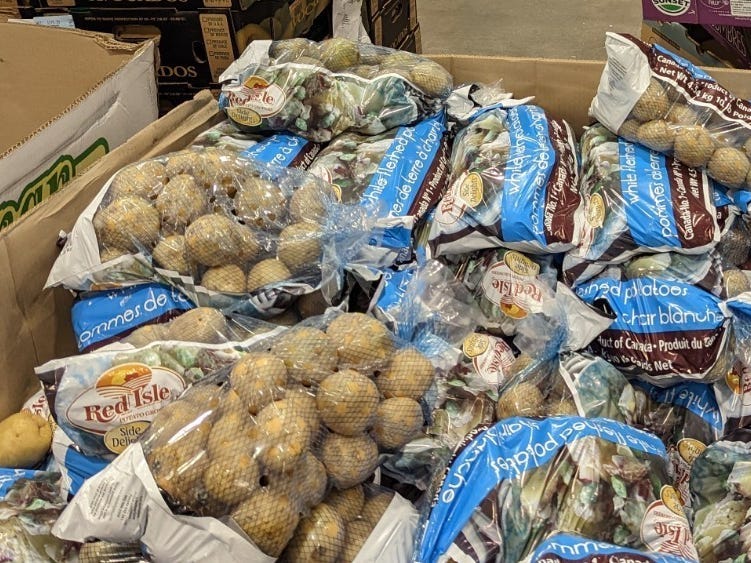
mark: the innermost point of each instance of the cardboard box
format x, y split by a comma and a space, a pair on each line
195, 47
681, 11
36, 324
734, 41
182, 5
725, 12
682, 40
69, 97
393, 24
413, 41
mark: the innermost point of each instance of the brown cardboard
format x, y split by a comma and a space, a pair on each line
35, 325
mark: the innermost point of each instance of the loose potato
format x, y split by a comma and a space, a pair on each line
397, 421
347, 402
259, 379
308, 353
409, 375
363, 343
349, 460
25, 439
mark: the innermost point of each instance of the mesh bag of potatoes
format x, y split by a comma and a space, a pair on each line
106, 399
279, 149
303, 413
638, 201
230, 232
651, 96
515, 483
320, 90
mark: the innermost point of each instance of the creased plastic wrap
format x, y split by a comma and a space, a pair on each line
638, 201
517, 482
565, 547
721, 493
514, 183
664, 102
320, 90
229, 232
261, 443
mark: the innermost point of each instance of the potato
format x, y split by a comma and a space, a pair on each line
212, 240
130, 223
283, 436
267, 272
225, 279
230, 433
269, 519
259, 379
25, 439
308, 353
362, 342
347, 402
145, 335
202, 324
409, 374
143, 180
261, 204
397, 421
376, 506
347, 502
319, 538
349, 460
311, 304
357, 534
170, 254
299, 246
232, 477
181, 202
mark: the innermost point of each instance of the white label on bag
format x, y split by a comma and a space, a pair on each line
123, 504
393, 537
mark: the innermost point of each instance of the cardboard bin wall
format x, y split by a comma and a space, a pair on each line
35, 325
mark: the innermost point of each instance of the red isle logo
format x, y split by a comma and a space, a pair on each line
124, 394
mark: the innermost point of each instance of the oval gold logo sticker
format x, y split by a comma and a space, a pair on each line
733, 379
596, 211
520, 264
121, 437
475, 344
471, 190
671, 499
244, 116
689, 449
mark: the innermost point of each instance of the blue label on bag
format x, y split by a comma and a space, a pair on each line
699, 398
401, 175
281, 149
647, 198
568, 548
742, 199
505, 451
688, 66
8, 478
651, 305
530, 161
104, 316
78, 468
721, 198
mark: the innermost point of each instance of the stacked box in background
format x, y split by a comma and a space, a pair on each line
198, 39
712, 32
392, 23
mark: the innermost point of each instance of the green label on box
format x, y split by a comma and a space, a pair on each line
50, 181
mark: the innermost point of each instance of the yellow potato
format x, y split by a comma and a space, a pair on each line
25, 439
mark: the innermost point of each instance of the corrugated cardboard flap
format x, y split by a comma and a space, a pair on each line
35, 325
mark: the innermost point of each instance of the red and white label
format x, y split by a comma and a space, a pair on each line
125, 394
514, 289
665, 529
491, 357
260, 96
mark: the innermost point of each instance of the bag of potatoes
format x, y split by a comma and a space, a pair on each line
230, 232
654, 97
265, 440
320, 90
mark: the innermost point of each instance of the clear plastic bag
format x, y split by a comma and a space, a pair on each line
721, 493
514, 183
280, 149
400, 174
686, 417
320, 90
638, 201
517, 482
264, 439
651, 96
229, 232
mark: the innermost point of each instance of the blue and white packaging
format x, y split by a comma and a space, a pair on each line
522, 479
102, 317
664, 332
514, 184
567, 548
398, 176
687, 418
74, 466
